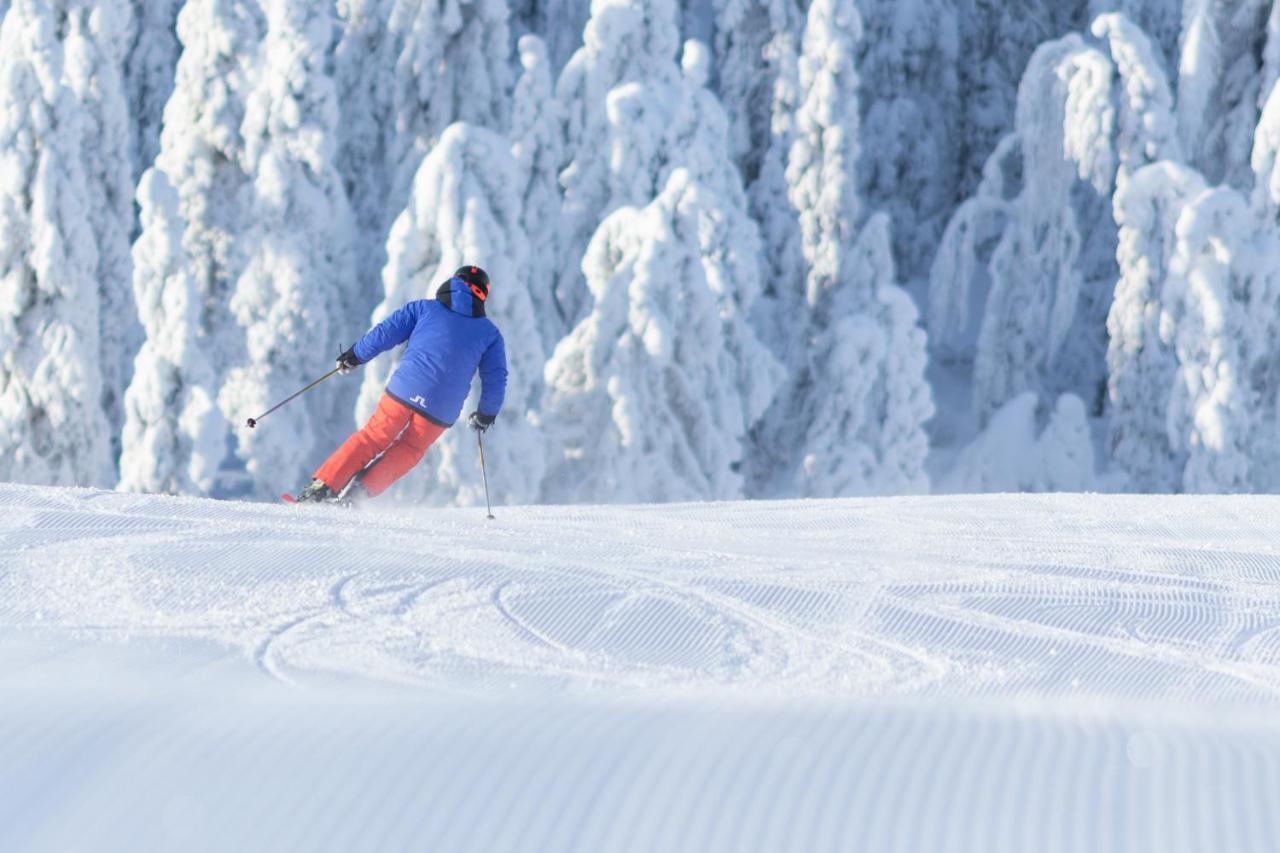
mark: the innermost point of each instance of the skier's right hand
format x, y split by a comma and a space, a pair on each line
479, 422
348, 362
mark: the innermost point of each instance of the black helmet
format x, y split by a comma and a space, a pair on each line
477, 278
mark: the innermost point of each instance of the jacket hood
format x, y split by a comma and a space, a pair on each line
457, 295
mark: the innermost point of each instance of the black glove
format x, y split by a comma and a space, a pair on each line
479, 422
348, 361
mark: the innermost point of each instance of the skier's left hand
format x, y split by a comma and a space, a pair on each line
348, 361
479, 422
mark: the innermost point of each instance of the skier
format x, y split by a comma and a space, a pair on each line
449, 340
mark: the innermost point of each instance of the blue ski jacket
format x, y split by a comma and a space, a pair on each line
449, 340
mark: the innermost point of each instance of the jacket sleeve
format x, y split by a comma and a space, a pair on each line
390, 332
493, 377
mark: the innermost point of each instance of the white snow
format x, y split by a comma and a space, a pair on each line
1071, 672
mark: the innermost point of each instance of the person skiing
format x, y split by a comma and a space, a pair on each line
450, 339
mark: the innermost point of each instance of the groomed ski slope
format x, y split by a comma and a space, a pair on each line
951, 673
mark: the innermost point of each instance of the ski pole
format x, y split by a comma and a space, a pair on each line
484, 476
253, 422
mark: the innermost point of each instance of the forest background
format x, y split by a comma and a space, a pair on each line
740, 248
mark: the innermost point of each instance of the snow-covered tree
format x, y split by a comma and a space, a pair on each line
1160, 22
202, 155
862, 401
464, 209
95, 46
453, 65
174, 435
291, 296
1266, 140
558, 22
625, 41
53, 428
1270, 57
676, 123
406, 69
960, 278
748, 37
1141, 359
1223, 297
1043, 327
821, 168
1146, 130
150, 67
851, 419
1219, 75
637, 392
1027, 448
911, 107
362, 67
537, 142
779, 317
997, 39
1032, 253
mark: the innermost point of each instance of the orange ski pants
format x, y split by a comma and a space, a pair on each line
395, 435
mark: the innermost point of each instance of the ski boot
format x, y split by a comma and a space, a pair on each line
316, 492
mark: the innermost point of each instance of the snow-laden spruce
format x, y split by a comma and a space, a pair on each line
625, 41
149, 69
95, 47
912, 113
362, 57
406, 69
1027, 449
863, 408
1145, 126
637, 393
671, 124
960, 277
537, 143
1141, 361
1161, 23
676, 123
750, 34
464, 209
558, 22
1266, 139
289, 299
1053, 268
202, 153
1086, 121
452, 65
851, 418
1219, 74
202, 158
1223, 293
174, 436
53, 426
779, 320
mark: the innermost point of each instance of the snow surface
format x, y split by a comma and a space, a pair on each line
1068, 672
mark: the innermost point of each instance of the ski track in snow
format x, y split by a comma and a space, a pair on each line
971, 673
945, 595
